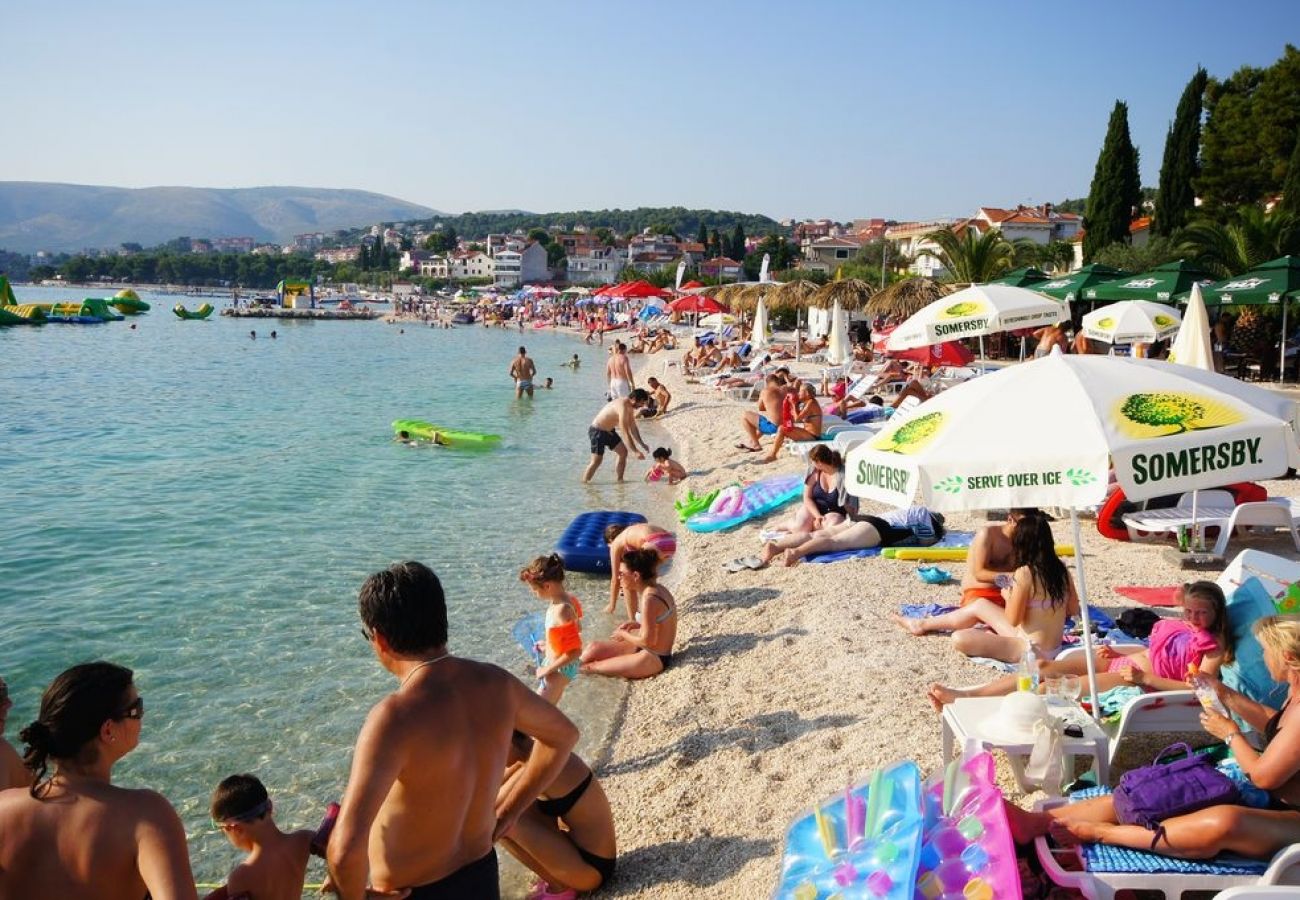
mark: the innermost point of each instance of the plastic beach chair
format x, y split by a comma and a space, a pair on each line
1267, 514
1186, 875
1212, 510
1256, 892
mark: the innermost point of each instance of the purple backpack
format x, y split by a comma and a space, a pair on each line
1160, 791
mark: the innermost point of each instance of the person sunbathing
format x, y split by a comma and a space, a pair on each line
826, 502
1039, 598
913, 388
814, 345
1201, 638
730, 358
914, 526
1225, 828
801, 419
643, 647
763, 419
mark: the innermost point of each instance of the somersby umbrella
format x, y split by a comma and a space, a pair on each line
1131, 322
1274, 282
1167, 428
974, 312
1071, 287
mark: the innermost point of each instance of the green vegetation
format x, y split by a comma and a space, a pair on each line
1162, 410
971, 256
1116, 192
1175, 201
673, 219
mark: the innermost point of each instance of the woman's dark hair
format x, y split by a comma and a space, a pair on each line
406, 605
73, 708
238, 798
644, 562
543, 568
823, 454
1032, 545
662, 453
1212, 594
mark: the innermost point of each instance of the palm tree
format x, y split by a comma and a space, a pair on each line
972, 257
1253, 237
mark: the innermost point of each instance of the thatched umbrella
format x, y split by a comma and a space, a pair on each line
850, 293
911, 295
728, 294
792, 295
746, 299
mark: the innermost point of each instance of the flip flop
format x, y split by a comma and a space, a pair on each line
748, 449
752, 562
734, 566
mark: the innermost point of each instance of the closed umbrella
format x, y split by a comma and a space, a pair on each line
839, 350
1167, 429
758, 339
1132, 322
1193, 347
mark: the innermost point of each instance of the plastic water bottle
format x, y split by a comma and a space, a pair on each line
1028, 678
1205, 690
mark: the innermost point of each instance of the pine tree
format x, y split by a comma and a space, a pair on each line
1181, 166
1116, 189
1291, 185
702, 236
737, 242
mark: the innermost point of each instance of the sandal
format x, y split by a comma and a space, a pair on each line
736, 565
752, 562
747, 448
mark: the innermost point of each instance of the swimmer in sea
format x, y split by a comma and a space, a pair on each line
523, 370
253, 335
550, 383
272, 334
573, 363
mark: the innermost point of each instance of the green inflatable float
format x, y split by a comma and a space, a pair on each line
201, 313
424, 431
128, 302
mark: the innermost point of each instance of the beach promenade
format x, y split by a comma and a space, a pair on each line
789, 683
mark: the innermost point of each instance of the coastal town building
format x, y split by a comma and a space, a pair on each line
512, 268
339, 254
825, 254
233, 245
722, 268
911, 239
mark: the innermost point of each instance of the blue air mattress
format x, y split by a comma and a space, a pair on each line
583, 547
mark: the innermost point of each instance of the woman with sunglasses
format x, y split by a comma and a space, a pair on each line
643, 647
73, 833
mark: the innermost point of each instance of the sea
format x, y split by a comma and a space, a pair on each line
202, 506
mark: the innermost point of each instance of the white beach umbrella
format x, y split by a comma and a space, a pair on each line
1166, 427
717, 320
839, 350
1131, 322
758, 340
1192, 347
974, 312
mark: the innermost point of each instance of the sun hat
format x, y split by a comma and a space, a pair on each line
1016, 719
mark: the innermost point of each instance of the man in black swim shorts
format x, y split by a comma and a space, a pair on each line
618, 414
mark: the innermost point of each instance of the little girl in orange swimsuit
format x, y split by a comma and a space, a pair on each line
545, 575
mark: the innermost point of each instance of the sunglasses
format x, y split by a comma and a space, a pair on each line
367, 634
134, 711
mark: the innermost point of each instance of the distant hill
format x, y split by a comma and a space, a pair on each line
69, 217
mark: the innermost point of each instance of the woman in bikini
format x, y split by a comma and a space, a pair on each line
74, 833
641, 536
801, 419
1039, 599
643, 647
1201, 638
825, 500
1245, 830
567, 837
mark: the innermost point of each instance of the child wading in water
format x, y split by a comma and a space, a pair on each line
665, 467
276, 866
545, 575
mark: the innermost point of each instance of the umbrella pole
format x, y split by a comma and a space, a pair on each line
798, 344
983, 367
1281, 352
1195, 497
1082, 584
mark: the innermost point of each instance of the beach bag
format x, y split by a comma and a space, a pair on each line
1151, 794
1137, 622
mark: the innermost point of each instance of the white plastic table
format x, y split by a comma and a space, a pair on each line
964, 720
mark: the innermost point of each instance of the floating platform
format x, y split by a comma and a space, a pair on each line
300, 313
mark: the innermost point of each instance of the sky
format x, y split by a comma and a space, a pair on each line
835, 109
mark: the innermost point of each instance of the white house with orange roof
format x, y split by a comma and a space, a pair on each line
911, 239
827, 253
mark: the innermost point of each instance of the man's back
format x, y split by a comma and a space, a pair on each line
610, 415
447, 733
990, 550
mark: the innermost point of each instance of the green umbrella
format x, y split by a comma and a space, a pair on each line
1025, 276
1071, 287
1170, 283
1276, 281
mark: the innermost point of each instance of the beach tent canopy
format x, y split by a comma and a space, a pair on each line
1071, 287
974, 312
949, 353
691, 285
1025, 276
1170, 283
1268, 283
635, 289
1131, 322
794, 295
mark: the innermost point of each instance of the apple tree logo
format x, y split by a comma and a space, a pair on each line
961, 310
1165, 413
911, 436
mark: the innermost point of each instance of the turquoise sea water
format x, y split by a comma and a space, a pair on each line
202, 507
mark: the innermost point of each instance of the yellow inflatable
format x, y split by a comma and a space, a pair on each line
948, 554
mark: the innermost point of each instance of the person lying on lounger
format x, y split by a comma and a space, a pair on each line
1225, 828
914, 526
1039, 599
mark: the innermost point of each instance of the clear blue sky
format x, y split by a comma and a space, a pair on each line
840, 109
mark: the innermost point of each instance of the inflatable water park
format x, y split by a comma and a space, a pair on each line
90, 311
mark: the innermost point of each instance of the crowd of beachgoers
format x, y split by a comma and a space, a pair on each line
761, 681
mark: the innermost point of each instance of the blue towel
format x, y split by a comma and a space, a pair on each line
1105, 858
951, 539
921, 610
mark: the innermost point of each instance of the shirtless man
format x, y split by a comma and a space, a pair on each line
421, 809
763, 419
619, 372
522, 370
12, 771
1049, 336
989, 557
617, 414
659, 395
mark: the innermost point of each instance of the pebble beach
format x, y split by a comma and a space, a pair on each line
789, 683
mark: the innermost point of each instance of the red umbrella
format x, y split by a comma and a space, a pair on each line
636, 289
695, 303
691, 284
949, 353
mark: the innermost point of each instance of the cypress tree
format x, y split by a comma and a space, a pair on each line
1176, 198
702, 236
1291, 185
1116, 189
737, 242
715, 244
